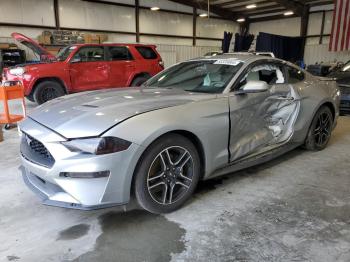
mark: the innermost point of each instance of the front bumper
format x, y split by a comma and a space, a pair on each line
53, 195
77, 193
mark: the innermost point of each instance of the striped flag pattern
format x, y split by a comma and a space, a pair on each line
340, 36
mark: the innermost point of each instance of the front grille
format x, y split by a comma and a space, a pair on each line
34, 151
345, 90
39, 148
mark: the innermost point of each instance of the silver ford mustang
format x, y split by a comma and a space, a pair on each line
196, 120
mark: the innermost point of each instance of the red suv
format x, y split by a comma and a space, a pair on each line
83, 67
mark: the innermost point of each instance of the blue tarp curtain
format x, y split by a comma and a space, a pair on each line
284, 47
226, 42
243, 42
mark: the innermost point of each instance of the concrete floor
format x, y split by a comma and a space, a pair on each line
295, 208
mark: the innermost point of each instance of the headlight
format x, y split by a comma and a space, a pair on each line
18, 71
98, 145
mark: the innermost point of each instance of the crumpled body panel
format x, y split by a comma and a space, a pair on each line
267, 119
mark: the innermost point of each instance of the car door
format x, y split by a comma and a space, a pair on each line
121, 64
88, 69
260, 120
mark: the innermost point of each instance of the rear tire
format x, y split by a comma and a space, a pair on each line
167, 174
320, 130
46, 91
138, 81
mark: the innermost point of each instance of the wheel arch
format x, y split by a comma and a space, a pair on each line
326, 103
330, 106
197, 143
43, 79
187, 134
140, 74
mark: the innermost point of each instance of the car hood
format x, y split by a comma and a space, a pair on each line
34, 46
92, 113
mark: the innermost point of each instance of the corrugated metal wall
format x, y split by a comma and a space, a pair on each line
173, 54
319, 53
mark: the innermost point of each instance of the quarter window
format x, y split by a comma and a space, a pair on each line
90, 54
269, 73
295, 75
146, 52
117, 53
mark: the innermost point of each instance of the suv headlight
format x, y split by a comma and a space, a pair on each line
17, 71
98, 145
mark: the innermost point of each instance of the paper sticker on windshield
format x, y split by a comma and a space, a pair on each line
228, 61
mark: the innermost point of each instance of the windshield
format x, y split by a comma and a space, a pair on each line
204, 76
65, 52
346, 67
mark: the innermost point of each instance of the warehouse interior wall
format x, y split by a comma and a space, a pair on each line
95, 16
75, 14
285, 27
316, 49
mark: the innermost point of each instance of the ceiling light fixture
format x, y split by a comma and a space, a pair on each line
289, 13
251, 6
203, 15
241, 20
155, 8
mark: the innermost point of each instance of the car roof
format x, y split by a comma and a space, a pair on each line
244, 57
115, 44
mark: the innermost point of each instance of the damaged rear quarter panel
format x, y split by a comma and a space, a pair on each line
314, 93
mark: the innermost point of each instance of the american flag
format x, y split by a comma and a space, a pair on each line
340, 36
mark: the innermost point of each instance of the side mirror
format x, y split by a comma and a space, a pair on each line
75, 60
253, 87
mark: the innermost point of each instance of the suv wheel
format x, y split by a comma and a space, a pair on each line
46, 91
167, 174
138, 81
30, 98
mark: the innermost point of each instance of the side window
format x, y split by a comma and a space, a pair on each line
146, 52
269, 73
90, 54
295, 75
117, 53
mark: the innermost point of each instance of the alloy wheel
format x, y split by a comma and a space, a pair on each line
322, 130
49, 93
170, 175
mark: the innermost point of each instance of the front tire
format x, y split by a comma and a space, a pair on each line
46, 91
30, 98
167, 174
320, 130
